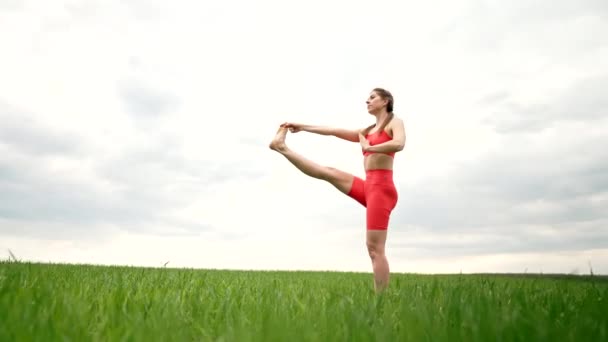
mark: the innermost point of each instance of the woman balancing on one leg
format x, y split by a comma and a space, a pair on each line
377, 192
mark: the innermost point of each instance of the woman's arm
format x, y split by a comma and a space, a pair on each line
394, 145
346, 134
349, 135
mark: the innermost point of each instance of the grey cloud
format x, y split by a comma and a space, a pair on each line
84, 9
33, 193
584, 100
506, 195
144, 10
135, 190
494, 98
549, 173
145, 102
487, 25
569, 237
538, 11
253, 141
20, 131
545, 187
146, 184
36, 193
11, 5
160, 165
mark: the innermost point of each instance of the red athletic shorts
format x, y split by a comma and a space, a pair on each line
378, 194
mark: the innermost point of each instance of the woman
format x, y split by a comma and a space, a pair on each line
377, 192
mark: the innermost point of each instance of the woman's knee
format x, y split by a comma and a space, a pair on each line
327, 173
330, 174
375, 249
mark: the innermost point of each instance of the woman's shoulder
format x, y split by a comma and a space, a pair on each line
395, 121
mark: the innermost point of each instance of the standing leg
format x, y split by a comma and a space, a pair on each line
382, 196
376, 240
341, 180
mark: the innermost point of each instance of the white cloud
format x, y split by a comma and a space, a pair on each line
141, 122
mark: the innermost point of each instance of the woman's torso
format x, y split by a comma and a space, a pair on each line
379, 160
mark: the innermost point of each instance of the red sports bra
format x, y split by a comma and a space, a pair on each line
378, 138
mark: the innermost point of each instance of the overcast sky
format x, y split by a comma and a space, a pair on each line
136, 132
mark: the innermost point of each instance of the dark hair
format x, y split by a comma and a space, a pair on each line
386, 95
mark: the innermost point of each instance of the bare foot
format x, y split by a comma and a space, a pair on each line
278, 143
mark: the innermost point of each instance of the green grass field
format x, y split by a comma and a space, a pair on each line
46, 302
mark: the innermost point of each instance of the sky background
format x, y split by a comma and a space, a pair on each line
136, 132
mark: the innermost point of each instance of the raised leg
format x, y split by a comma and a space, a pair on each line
376, 240
340, 179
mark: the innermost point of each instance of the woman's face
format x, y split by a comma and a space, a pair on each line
375, 102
